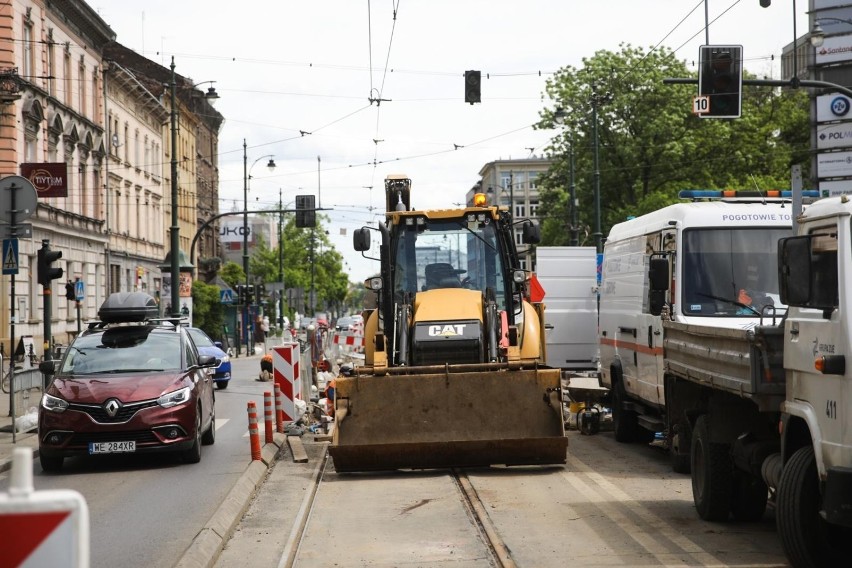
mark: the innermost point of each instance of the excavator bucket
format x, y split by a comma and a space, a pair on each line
448, 419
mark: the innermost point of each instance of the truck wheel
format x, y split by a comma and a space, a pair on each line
679, 446
712, 474
624, 422
808, 540
750, 494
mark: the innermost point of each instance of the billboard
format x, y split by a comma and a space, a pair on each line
835, 49
232, 230
835, 187
49, 179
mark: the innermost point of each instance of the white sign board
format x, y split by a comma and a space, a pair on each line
835, 49
833, 107
834, 164
231, 231
837, 135
835, 187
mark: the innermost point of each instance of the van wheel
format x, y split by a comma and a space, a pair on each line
624, 421
712, 474
679, 446
808, 540
749, 496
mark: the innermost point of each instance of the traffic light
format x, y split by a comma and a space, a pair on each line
306, 215
261, 293
720, 77
70, 292
250, 294
472, 87
241, 294
46, 258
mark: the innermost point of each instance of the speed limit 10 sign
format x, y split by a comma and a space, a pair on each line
700, 104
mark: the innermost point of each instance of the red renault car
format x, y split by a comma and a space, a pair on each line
130, 383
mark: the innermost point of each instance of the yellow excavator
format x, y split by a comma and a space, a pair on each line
454, 372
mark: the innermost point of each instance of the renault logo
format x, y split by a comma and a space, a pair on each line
112, 407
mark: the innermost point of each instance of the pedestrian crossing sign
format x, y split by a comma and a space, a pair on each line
226, 296
10, 256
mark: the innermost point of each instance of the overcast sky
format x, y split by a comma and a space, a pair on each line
295, 79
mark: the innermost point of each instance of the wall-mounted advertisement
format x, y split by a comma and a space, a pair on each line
837, 135
833, 107
232, 230
835, 49
834, 164
835, 187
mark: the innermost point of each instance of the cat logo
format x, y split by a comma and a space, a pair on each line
446, 330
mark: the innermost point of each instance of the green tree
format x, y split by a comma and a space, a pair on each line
650, 145
233, 274
207, 311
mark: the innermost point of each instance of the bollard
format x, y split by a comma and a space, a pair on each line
279, 409
267, 415
253, 434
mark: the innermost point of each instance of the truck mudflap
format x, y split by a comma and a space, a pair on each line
428, 418
837, 498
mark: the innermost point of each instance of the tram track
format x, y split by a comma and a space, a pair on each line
469, 499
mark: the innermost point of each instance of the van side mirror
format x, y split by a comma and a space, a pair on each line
531, 233
658, 273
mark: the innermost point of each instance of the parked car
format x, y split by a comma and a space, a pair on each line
344, 323
207, 346
130, 383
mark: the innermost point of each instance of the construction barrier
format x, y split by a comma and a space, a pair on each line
267, 416
279, 411
285, 369
254, 436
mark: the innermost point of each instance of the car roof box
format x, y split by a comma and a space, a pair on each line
128, 307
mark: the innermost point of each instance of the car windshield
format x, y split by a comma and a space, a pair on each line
731, 272
123, 349
200, 338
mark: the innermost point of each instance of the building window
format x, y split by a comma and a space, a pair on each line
67, 73
147, 164
114, 278
136, 150
28, 70
51, 67
534, 209
82, 92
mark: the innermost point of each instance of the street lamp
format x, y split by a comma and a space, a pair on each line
246, 177
174, 230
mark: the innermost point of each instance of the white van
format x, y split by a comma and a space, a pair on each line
722, 264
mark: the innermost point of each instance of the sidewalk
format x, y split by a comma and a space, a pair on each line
24, 401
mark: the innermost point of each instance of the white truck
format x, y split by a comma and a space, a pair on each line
761, 409
716, 253
569, 278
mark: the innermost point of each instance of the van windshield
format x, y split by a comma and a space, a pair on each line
731, 272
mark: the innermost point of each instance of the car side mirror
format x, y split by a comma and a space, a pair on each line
47, 367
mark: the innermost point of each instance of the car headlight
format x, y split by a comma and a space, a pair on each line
224, 358
174, 398
53, 403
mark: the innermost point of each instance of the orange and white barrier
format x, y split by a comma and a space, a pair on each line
285, 369
267, 416
254, 436
279, 410
342, 339
41, 528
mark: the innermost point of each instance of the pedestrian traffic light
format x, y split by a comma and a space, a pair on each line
70, 292
46, 258
720, 77
306, 215
472, 87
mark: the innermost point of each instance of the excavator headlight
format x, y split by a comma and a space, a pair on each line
519, 276
374, 283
